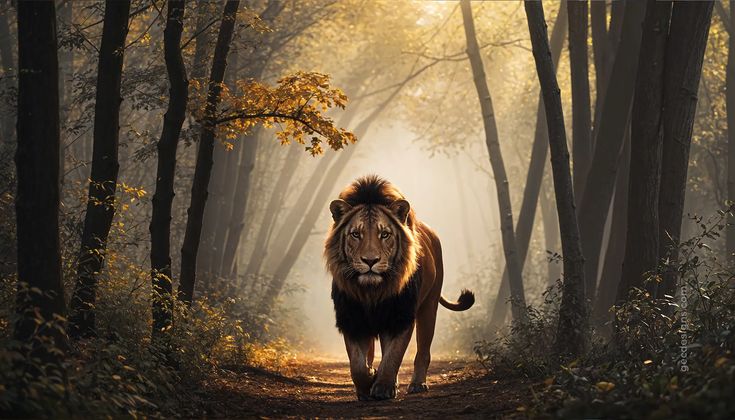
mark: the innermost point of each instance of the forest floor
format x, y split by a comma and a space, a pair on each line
316, 387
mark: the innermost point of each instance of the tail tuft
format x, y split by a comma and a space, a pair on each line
465, 301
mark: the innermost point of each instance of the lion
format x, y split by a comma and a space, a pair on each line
387, 275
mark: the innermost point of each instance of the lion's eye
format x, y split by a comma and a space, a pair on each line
385, 235
355, 235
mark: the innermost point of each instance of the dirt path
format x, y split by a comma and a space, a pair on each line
322, 388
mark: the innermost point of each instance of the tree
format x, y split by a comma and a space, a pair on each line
40, 299
595, 202
641, 244
203, 167
512, 259
534, 177
730, 99
581, 111
105, 167
571, 332
685, 47
598, 29
160, 226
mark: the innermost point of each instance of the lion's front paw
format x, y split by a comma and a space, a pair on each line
414, 387
381, 391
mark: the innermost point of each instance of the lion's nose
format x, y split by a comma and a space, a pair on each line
370, 261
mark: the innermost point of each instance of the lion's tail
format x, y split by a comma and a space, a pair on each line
465, 301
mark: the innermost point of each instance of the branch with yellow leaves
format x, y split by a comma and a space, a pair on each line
296, 105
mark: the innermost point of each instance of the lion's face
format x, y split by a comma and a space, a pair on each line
371, 239
370, 244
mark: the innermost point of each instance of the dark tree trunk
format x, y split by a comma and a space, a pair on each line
243, 187
203, 169
512, 258
222, 227
534, 177
598, 28
685, 47
571, 332
730, 99
581, 112
613, 265
595, 202
7, 113
552, 242
105, 167
641, 249
37, 199
160, 227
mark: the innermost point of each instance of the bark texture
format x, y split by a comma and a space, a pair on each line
685, 47
160, 227
37, 165
571, 331
512, 258
641, 250
203, 168
730, 101
105, 168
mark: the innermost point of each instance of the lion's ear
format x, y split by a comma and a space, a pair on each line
400, 208
339, 208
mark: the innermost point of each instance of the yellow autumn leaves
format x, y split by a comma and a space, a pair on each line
295, 107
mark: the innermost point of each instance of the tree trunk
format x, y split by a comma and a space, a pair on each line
595, 202
205, 12
512, 258
730, 99
160, 227
552, 241
598, 28
37, 199
236, 218
641, 249
203, 168
571, 332
221, 189
534, 177
581, 112
7, 114
687, 41
105, 167
613, 264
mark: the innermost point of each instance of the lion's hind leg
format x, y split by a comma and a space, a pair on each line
425, 323
361, 353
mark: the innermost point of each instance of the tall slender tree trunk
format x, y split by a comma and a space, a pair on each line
534, 177
221, 188
581, 111
595, 203
571, 332
685, 48
552, 242
40, 298
730, 100
512, 258
613, 264
642, 242
598, 28
203, 168
7, 113
160, 227
105, 167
